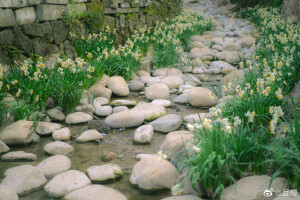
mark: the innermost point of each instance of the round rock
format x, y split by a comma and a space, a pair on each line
18, 156
173, 82
24, 179
202, 97
65, 183
123, 103
162, 102
62, 134
58, 148
56, 114
150, 111
118, 86
183, 197
78, 118
7, 194
89, 135
127, 118
104, 111
135, 85
143, 134
54, 165
105, 173
153, 174
119, 109
167, 123
93, 192
157, 91
46, 128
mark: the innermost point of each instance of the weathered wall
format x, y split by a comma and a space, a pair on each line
36, 26
291, 9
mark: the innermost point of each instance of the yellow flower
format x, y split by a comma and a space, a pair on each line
18, 93
15, 82
210, 95
37, 98
31, 91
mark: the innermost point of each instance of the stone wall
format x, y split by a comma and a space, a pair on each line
36, 27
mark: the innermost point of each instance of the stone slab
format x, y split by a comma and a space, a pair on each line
25, 15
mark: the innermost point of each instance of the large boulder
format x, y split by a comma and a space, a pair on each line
253, 188
7, 194
118, 86
89, 135
56, 114
246, 42
154, 174
150, 111
202, 97
105, 173
100, 91
66, 182
175, 141
203, 54
234, 77
54, 165
167, 123
20, 132
231, 57
157, 91
93, 192
127, 118
24, 179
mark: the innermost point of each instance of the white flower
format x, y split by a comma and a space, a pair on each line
196, 149
237, 121
250, 116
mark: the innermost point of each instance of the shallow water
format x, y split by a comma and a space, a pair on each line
89, 154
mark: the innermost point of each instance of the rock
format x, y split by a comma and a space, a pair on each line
56, 114
150, 111
173, 82
228, 71
20, 132
89, 135
203, 54
3, 147
108, 156
162, 102
18, 156
231, 46
99, 125
253, 187
231, 57
104, 111
157, 91
246, 42
197, 70
93, 192
187, 188
221, 65
173, 72
65, 183
119, 109
197, 62
127, 118
182, 99
195, 118
167, 123
105, 173
54, 165
233, 77
217, 40
100, 101
142, 156
200, 39
217, 47
118, 86
175, 141
78, 117
7, 18
297, 197
62, 134
143, 134
153, 80
100, 91
58, 148
24, 179
183, 197
7, 194
46, 128
196, 44
87, 108
135, 85
123, 103
21, 41
153, 174
202, 97
160, 72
